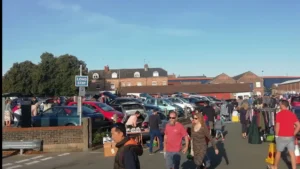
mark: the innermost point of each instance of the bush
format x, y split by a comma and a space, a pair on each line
98, 137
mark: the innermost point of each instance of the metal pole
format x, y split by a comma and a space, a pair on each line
3, 110
79, 101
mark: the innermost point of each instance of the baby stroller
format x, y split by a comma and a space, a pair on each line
224, 113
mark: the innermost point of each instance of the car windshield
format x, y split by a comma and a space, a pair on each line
110, 95
168, 101
295, 99
105, 107
184, 100
132, 106
87, 110
145, 95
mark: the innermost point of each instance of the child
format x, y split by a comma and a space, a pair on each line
219, 127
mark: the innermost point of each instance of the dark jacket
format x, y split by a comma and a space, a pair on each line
127, 155
209, 112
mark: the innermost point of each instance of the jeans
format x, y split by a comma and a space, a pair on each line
153, 134
173, 160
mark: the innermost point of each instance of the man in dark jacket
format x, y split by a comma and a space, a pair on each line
128, 149
211, 114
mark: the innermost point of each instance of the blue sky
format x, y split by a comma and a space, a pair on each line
185, 37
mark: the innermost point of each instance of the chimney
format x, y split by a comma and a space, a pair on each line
146, 67
106, 68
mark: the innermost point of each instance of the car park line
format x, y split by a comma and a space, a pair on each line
33, 162
60, 155
13, 167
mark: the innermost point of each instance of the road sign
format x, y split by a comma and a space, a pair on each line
81, 81
81, 91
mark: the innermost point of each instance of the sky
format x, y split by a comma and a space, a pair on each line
185, 37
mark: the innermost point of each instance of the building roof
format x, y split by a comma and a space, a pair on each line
290, 81
189, 77
222, 75
200, 88
129, 73
281, 77
237, 77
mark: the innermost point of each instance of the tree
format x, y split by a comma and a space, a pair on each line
20, 78
53, 76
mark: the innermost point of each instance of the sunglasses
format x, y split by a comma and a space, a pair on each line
172, 117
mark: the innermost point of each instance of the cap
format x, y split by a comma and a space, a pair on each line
121, 127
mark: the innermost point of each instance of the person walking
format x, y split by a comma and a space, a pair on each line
286, 127
199, 133
154, 121
128, 149
243, 119
174, 132
8, 113
211, 114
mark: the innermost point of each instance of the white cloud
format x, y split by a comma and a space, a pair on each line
59, 5
87, 17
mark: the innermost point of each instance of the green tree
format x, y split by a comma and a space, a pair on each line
53, 76
20, 78
67, 67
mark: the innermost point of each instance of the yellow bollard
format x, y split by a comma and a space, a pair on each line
271, 155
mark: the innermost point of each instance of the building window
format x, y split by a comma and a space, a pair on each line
164, 83
123, 84
154, 83
98, 86
114, 75
258, 84
137, 74
155, 74
241, 82
95, 76
128, 84
112, 86
139, 83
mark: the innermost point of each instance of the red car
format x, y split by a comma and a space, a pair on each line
295, 101
107, 111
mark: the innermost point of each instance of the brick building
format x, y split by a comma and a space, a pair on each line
222, 79
251, 78
290, 86
111, 79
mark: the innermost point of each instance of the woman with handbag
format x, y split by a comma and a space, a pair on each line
199, 134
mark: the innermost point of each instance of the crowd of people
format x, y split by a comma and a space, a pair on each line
205, 124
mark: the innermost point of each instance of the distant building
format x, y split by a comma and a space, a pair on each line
111, 79
290, 86
255, 81
269, 81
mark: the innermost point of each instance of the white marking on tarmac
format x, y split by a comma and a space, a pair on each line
48, 158
33, 162
33, 158
16, 166
8, 164
64, 154
21, 161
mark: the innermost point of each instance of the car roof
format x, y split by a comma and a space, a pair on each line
130, 103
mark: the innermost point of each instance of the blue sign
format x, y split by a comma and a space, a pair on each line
81, 81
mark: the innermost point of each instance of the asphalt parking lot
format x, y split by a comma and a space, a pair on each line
235, 153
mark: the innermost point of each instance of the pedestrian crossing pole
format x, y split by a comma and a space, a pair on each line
79, 101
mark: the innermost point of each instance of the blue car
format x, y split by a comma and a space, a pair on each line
67, 116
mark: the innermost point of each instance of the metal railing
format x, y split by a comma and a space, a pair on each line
21, 145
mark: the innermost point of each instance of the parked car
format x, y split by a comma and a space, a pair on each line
151, 108
183, 103
109, 95
165, 104
214, 100
295, 101
129, 108
118, 101
68, 116
107, 111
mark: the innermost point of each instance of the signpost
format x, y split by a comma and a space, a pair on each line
81, 82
